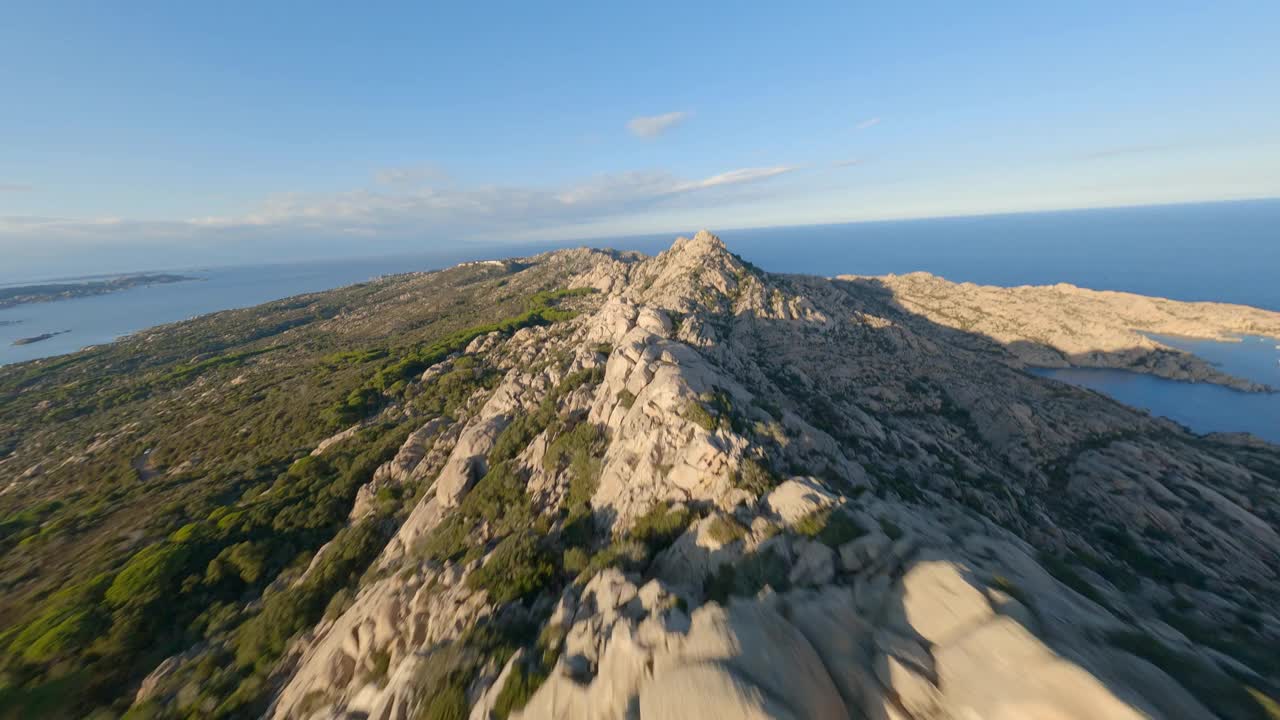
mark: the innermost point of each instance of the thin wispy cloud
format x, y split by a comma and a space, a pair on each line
852, 162
404, 207
734, 177
868, 123
650, 126
14, 187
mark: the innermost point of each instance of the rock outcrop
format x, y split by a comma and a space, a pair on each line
762, 496
1067, 326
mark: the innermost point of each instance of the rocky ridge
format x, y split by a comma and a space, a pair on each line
859, 514
1067, 326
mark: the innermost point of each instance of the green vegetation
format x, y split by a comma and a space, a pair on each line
650, 534
448, 703
175, 483
754, 477
660, 527
520, 686
830, 526
518, 567
724, 529
188, 370
695, 413
393, 375
579, 450
748, 577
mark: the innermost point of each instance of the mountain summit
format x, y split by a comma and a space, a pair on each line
681, 486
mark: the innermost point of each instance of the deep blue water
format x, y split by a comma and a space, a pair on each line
1226, 252
1199, 406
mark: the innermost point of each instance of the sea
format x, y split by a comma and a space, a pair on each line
1224, 252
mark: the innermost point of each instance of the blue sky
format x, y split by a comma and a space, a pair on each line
162, 134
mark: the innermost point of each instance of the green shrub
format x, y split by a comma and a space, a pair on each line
260, 640
71, 631
500, 498
724, 529
517, 435
575, 560
575, 380
448, 540
149, 575
628, 555
447, 703
830, 526
247, 559
695, 413
660, 527
518, 567
748, 577
580, 448
521, 684
626, 398
65, 617
753, 477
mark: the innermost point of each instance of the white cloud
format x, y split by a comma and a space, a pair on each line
654, 125
406, 209
868, 123
734, 177
852, 162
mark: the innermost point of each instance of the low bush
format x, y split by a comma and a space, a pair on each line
695, 413
660, 527
518, 567
753, 477
751, 575
521, 684
724, 529
830, 526
500, 498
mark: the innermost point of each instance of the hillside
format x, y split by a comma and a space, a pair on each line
591, 484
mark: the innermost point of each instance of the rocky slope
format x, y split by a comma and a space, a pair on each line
723, 493
1067, 326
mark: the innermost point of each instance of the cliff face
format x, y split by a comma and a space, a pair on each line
719, 492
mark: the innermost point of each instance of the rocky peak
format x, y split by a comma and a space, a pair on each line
703, 242
694, 275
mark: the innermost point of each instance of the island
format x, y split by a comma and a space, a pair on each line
38, 338
50, 292
600, 484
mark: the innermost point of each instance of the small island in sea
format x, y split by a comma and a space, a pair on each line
38, 338
49, 292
